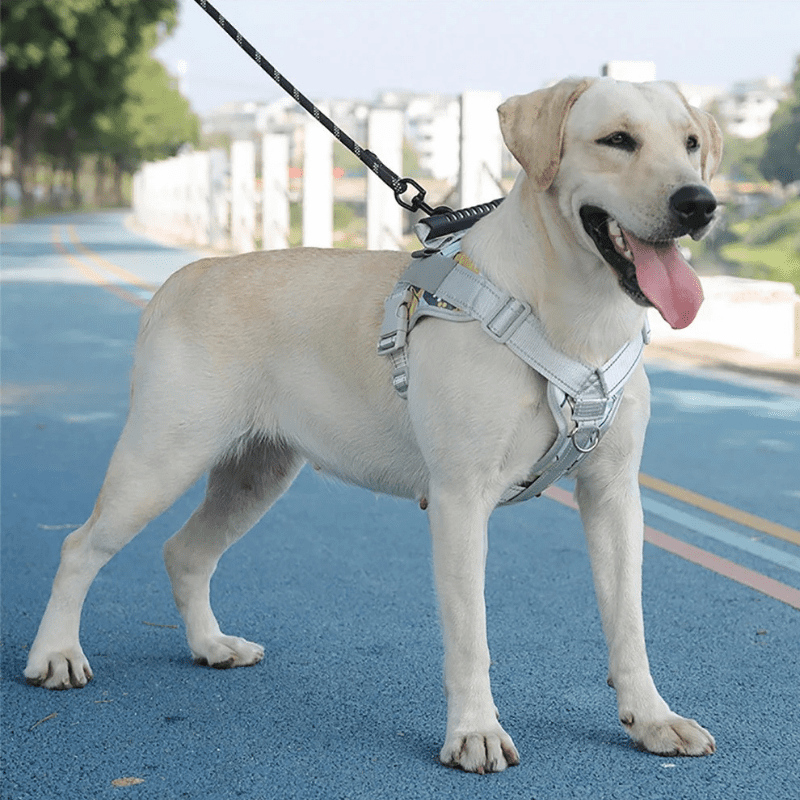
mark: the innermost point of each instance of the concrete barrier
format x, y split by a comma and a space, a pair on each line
275, 191
197, 198
384, 215
317, 186
758, 316
243, 196
481, 148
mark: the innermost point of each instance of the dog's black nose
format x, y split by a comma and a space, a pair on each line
693, 206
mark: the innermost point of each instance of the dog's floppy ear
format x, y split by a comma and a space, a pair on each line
710, 135
711, 150
533, 127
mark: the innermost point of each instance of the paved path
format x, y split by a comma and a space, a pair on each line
336, 583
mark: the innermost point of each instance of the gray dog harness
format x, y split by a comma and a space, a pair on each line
583, 399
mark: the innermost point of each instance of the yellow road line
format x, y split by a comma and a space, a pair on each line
722, 566
92, 275
129, 277
720, 509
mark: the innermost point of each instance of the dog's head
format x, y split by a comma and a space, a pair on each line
629, 166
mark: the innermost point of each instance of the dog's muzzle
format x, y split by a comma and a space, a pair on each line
652, 271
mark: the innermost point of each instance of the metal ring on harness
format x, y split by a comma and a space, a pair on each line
585, 438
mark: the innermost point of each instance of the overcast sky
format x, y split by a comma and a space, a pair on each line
355, 48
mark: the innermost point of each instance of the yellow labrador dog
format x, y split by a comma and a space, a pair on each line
247, 367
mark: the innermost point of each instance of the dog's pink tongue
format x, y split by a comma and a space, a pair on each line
667, 281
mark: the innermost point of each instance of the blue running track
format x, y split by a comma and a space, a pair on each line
336, 583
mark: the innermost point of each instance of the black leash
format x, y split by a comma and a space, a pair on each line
397, 184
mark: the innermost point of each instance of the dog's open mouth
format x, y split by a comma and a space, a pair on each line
651, 273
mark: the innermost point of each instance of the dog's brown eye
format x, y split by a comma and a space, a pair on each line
619, 140
692, 144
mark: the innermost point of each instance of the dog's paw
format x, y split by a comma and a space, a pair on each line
224, 652
674, 736
480, 751
68, 669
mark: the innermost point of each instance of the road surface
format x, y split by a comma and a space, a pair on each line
336, 583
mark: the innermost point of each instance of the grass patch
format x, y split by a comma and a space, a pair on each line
768, 247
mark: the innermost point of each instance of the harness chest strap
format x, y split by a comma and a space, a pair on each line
592, 395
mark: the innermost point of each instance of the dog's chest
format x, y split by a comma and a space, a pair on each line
475, 403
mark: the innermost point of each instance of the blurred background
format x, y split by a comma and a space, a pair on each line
93, 90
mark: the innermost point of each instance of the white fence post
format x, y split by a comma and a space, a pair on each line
199, 197
243, 199
384, 215
275, 191
218, 200
481, 148
317, 186
183, 164
137, 194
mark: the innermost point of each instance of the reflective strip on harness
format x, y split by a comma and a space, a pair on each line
583, 399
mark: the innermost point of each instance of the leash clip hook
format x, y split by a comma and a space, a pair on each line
417, 202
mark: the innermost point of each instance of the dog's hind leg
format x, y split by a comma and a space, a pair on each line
151, 467
241, 488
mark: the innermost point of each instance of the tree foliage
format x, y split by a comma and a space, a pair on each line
78, 78
157, 116
154, 119
781, 159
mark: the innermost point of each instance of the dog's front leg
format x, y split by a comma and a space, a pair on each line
475, 740
612, 517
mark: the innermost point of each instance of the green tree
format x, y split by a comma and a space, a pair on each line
153, 122
65, 71
781, 159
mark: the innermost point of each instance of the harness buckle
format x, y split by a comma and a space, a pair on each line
586, 410
400, 381
504, 321
395, 339
390, 342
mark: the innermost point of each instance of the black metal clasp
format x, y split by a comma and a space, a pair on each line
417, 202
